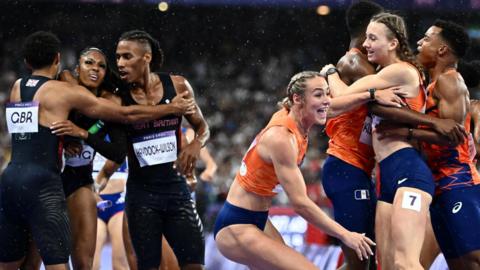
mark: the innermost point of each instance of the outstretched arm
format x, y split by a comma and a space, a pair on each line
280, 146
395, 75
81, 99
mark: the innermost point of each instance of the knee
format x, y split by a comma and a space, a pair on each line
405, 263
85, 263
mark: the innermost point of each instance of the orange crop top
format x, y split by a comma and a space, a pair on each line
258, 176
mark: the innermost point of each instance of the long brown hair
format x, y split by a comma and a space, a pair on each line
397, 29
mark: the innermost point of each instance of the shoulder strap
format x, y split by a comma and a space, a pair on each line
29, 86
168, 87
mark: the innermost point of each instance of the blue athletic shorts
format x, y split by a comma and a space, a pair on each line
231, 214
456, 221
352, 194
118, 205
404, 168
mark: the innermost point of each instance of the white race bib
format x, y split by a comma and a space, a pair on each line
375, 121
22, 117
84, 158
157, 148
366, 135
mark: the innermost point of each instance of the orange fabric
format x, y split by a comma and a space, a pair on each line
344, 133
450, 165
258, 176
417, 103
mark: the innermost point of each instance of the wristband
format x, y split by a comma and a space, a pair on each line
372, 93
410, 134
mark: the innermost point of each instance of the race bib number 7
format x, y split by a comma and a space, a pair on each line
157, 148
22, 117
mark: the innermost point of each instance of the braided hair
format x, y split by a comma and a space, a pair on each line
297, 86
397, 29
146, 39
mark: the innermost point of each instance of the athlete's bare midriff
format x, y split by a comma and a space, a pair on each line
388, 146
238, 196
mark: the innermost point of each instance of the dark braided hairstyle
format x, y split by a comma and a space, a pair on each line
297, 86
146, 39
398, 30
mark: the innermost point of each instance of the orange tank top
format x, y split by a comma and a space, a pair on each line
350, 136
258, 176
452, 166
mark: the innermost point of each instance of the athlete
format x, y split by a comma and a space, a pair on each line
153, 149
111, 205
406, 182
31, 195
455, 210
273, 160
346, 173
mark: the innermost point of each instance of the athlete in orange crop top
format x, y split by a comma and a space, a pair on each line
273, 158
258, 176
454, 212
400, 230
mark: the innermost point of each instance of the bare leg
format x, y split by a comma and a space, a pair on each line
32, 261
11, 265
101, 240
246, 244
169, 260
471, 261
382, 235
430, 248
82, 211
119, 258
409, 218
127, 241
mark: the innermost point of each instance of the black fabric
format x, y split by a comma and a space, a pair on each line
156, 177
153, 215
31, 196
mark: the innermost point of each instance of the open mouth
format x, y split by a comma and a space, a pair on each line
122, 74
93, 77
323, 110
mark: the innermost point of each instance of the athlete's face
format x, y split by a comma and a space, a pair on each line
430, 46
132, 62
316, 100
377, 43
91, 69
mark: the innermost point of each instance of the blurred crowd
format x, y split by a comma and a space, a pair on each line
238, 60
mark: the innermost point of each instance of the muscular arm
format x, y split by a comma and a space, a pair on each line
282, 151
189, 154
196, 120
353, 66
81, 99
451, 96
394, 75
280, 147
475, 114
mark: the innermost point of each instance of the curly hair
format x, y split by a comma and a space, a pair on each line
40, 49
358, 16
455, 35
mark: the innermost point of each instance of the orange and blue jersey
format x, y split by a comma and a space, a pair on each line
452, 166
345, 131
258, 176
